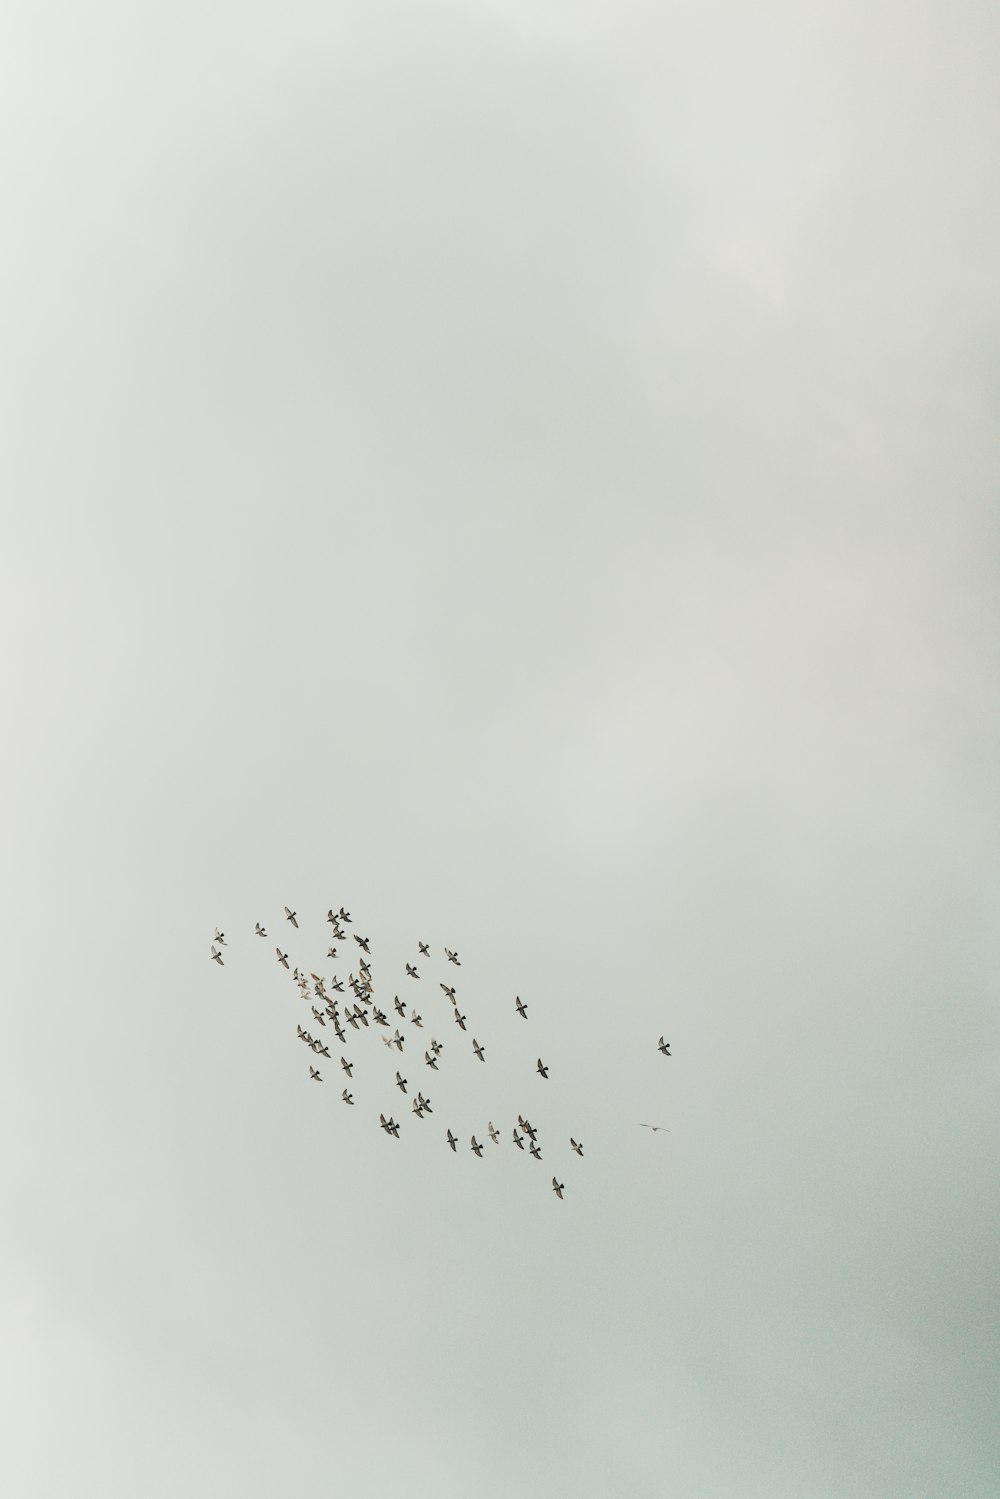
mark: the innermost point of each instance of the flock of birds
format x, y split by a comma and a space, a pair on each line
360, 1012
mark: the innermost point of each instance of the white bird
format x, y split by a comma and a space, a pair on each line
217, 956
399, 1006
450, 992
494, 1134
290, 916
436, 1047
397, 1041
331, 952
557, 1188
459, 1019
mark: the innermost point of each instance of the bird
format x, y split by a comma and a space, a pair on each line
317, 1015
529, 1129
655, 1127
460, 1019
424, 948
477, 1148
351, 1019
452, 957
412, 971
290, 916
534, 1150
450, 992
576, 1146
452, 1140
397, 1041
518, 1141
388, 1041
337, 984
557, 1188
220, 938
542, 1068
340, 1033
314, 1074
347, 1097
331, 952
663, 1046
379, 1017
436, 1047
400, 1007
344, 915
322, 1050
400, 1083
478, 1049
494, 1133
386, 1123
418, 1108
282, 956
347, 1066
217, 956
362, 943
302, 1033
331, 918
260, 930
415, 1019
520, 1007
424, 1103
431, 1061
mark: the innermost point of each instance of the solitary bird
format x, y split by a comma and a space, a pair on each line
452, 957
400, 1083
522, 1009
412, 971
478, 1049
452, 1140
557, 1188
576, 1146
655, 1127
477, 1148
290, 916
542, 1068
314, 1074
347, 1097
260, 930
494, 1134
282, 956
534, 1150
424, 948
217, 956
347, 1066
431, 1061
664, 1046
518, 1141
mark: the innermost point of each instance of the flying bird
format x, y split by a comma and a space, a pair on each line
452, 1140
412, 971
534, 1150
542, 1068
424, 1103
397, 1041
452, 957
347, 1097
655, 1127
518, 1141
331, 952
290, 916
431, 1061
477, 1148
494, 1134
424, 948
415, 1019
220, 938
576, 1146
282, 956
459, 1019
400, 1083
260, 930
663, 1046
347, 1066
418, 1108
400, 1007
450, 992
314, 1074
344, 915
478, 1049
436, 1047
522, 1009
362, 943
217, 956
557, 1188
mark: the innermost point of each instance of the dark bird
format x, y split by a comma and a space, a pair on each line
557, 1188
477, 1148
431, 1061
518, 1141
344, 915
418, 1108
379, 1017
424, 1103
452, 1140
655, 1127
397, 1041
341, 1034
542, 1068
436, 1047
534, 1150
522, 1009
459, 1019
314, 1074
452, 957
400, 1007
317, 1015
260, 930
322, 1050
400, 1083
362, 943
450, 992
386, 1123
217, 956
663, 1046
338, 984
347, 1066
347, 1097
415, 1019
290, 916
412, 971
424, 948
331, 952
351, 1018
576, 1146
529, 1129
478, 1049
331, 918
282, 956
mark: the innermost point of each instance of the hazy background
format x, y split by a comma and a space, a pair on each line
526, 472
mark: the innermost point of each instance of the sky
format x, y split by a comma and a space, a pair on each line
526, 473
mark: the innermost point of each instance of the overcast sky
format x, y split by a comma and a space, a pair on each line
526, 472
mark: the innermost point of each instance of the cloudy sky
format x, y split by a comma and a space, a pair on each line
526, 472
